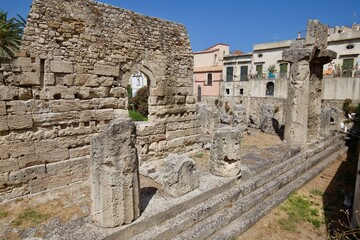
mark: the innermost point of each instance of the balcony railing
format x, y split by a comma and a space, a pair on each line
270, 75
348, 73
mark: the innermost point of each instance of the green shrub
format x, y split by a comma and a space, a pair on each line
357, 112
140, 101
136, 116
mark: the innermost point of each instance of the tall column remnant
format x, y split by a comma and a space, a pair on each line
115, 188
307, 57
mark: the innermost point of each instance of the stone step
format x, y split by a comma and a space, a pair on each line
195, 212
245, 221
203, 229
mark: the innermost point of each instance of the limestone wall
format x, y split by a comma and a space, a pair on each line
70, 80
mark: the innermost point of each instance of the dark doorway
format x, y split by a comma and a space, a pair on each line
199, 94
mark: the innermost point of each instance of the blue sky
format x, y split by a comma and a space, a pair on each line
238, 23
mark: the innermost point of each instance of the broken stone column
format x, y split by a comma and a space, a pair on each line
306, 58
297, 102
225, 153
115, 188
179, 175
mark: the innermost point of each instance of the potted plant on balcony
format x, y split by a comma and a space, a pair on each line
272, 71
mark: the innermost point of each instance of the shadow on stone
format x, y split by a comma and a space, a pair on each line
146, 194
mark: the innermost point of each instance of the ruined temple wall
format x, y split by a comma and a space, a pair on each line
70, 80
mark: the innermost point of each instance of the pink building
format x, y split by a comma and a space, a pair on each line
208, 67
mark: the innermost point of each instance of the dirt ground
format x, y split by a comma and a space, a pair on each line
326, 193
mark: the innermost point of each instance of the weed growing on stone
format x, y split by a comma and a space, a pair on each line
299, 209
29, 217
199, 155
3, 214
316, 192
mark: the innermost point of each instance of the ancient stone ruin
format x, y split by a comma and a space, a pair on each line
306, 57
179, 175
114, 175
69, 81
64, 120
225, 154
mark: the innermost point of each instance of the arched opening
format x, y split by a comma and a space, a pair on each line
270, 86
138, 95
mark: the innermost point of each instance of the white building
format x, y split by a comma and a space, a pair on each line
267, 73
137, 81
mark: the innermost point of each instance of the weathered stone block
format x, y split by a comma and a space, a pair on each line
9, 165
8, 93
61, 67
29, 78
269, 125
20, 107
16, 122
44, 157
115, 175
179, 175
79, 152
2, 108
106, 70
99, 92
98, 115
225, 152
58, 92
26, 175
66, 172
25, 93
118, 92
49, 79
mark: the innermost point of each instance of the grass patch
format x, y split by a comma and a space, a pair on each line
316, 192
136, 116
299, 210
29, 217
3, 214
199, 155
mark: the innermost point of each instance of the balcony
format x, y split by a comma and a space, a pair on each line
346, 73
270, 75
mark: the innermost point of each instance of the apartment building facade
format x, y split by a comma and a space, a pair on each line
268, 73
208, 71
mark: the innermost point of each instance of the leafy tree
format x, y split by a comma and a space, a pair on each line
11, 31
140, 101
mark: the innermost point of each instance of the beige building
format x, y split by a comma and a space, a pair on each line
208, 67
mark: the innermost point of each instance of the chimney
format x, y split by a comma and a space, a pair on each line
299, 35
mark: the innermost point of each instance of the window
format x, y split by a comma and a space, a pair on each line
270, 89
241, 91
259, 69
215, 59
350, 46
227, 90
260, 55
229, 74
209, 79
283, 70
243, 73
347, 67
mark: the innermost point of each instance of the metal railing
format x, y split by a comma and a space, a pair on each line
349, 73
270, 75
